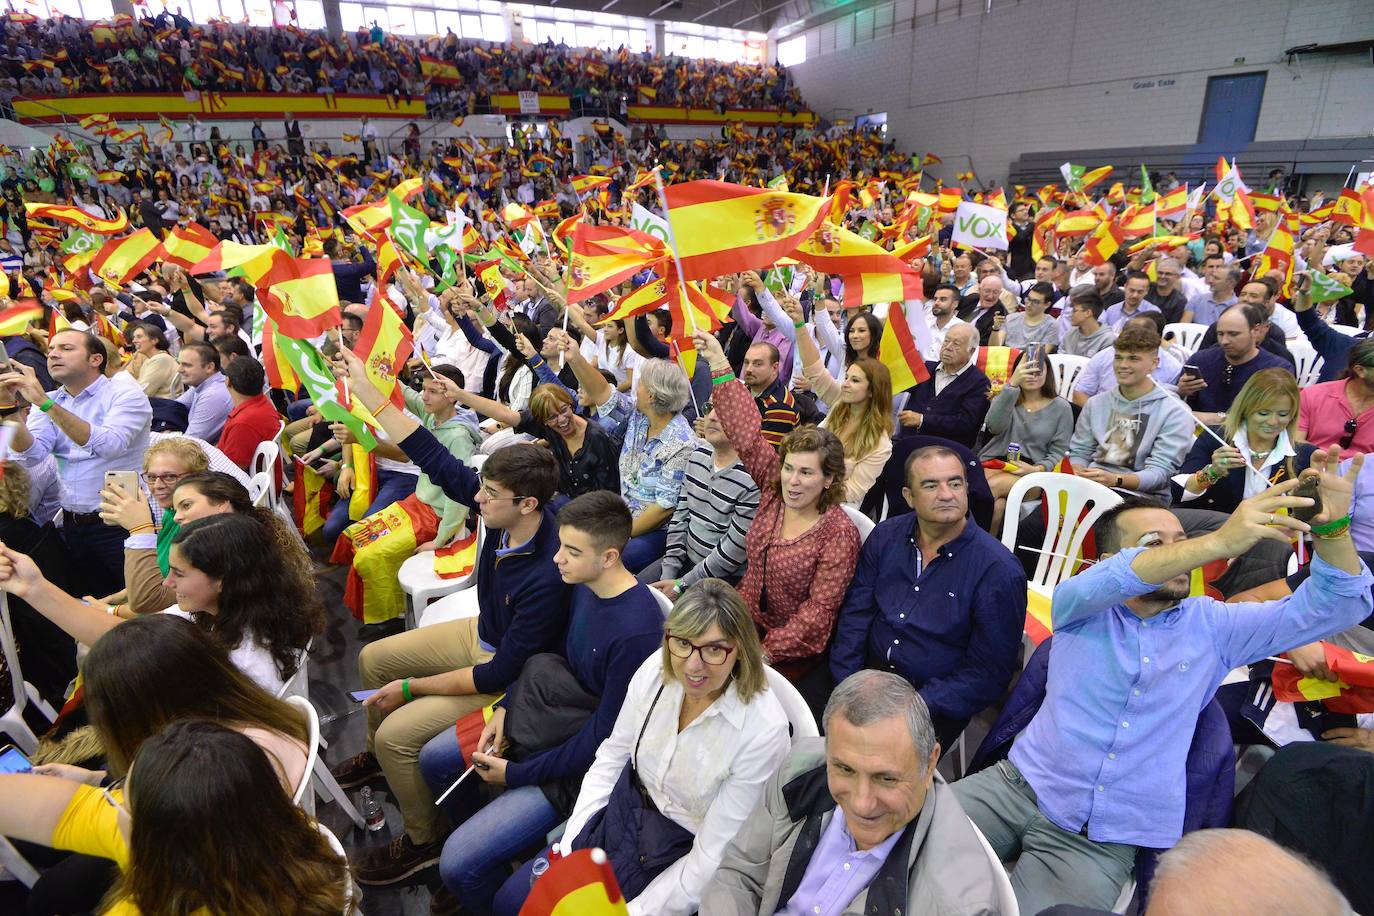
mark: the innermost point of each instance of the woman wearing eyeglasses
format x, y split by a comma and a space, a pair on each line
165, 463
588, 456
201, 825
698, 735
1262, 427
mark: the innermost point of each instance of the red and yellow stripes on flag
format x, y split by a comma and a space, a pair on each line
603, 256
489, 272
865, 289
1351, 692
368, 219
583, 184
15, 319
364, 465
870, 273
122, 258
57, 322
435, 70
910, 251
949, 199
300, 295
722, 228
646, 298
1278, 254
458, 559
997, 364
1046, 224
228, 254
1103, 243
1173, 204
75, 216
1076, 222
280, 375
694, 307
581, 883
384, 345
1136, 221
311, 498
468, 730
897, 350
188, 245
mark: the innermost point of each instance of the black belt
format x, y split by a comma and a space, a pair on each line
81, 518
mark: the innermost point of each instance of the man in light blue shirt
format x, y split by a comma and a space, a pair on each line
1221, 279
206, 395
91, 424
1100, 770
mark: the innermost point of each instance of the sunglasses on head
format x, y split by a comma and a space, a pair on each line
1351, 427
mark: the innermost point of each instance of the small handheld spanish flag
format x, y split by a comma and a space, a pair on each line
579, 884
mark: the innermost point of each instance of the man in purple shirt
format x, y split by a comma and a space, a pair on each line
899, 841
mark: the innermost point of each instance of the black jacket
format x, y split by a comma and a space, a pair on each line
955, 413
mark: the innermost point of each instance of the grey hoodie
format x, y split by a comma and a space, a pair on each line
1148, 436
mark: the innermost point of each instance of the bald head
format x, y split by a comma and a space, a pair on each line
989, 291
1236, 871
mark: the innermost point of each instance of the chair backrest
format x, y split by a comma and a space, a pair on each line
1309, 363
1187, 335
1006, 897
665, 604
798, 713
476, 460
1066, 368
260, 488
861, 521
312, 744
265, 457
10, 652
1074, 504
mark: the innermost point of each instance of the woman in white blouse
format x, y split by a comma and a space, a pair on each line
701, 732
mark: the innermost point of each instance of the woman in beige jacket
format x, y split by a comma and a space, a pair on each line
152, 365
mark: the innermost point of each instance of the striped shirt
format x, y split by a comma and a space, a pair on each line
707, 531
777, 412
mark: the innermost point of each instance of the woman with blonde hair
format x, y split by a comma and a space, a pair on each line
1262, 427
146, 549
698, 735
860, 407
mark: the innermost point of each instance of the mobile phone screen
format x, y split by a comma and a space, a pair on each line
359, 695
12, 760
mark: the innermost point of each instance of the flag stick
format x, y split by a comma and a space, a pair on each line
672, 243
1209, 431
466, 774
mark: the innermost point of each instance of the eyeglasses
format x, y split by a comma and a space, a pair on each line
707, 408
711, 653
1351, 427
163, 478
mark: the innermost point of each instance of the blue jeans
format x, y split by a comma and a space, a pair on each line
645, 549
473, 863
512, 895
391, 487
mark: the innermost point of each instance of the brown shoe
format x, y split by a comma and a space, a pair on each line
357, 770
443, 903
394, 862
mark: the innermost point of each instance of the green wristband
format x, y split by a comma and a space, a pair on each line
1331, 527
405, 690
799, 324
722, 379
47, 405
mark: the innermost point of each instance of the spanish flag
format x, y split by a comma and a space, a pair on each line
723, 228
1103, 243
228, 255
15, 319
647, 298
579, 884
602, 256
898, 351
910, 251
435, 70
878, 275
1076, 222
949, 199
582, 184
1278, 254
75, 216
280, 375
1137, 221
1173, 204
384, 345
368, 219
300, 295
1352, 692
188, 245
997, 364
311, 498
122, 258
457, 559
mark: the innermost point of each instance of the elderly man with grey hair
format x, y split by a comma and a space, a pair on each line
899, 843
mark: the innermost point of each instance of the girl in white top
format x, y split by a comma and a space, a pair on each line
704, 733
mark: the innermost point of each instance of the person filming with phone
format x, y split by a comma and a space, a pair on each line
93, 425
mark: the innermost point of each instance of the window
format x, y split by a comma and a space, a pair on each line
378, 15
472, 26
205, 10
310, 14
425, 23
494, 27
792, 51
350, 16
447, 19
233, 9
402, 20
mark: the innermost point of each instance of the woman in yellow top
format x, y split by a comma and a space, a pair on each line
201, 825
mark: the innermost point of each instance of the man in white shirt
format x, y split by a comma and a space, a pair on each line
941, 317
1262, 293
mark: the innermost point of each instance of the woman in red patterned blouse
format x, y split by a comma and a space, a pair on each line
801, 547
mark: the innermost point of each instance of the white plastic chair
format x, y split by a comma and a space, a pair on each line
450, 607
23, 693
302, 796
422, 584
861, 521
798, 713
266, 459
1065, 528
260, 489
1309, 363
297, 692
1186, 335
1123, 900
354, 892
18, 866
665, 604
1006, 897
1066, 368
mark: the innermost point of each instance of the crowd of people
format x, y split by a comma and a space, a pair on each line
684, 571
168, 53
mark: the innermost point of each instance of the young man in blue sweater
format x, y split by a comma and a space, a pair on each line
615, 624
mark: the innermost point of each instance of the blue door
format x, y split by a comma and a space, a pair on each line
1231, 111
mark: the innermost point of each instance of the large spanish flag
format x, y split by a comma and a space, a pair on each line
898, 350
581, 883
75, 216
300, 295
15, 319
384, 345
435, 70
186, 246
603, 256
122, 258
227, 255
647, 298
369, 218
722, 228
834, 249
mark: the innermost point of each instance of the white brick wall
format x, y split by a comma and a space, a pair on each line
1058, 74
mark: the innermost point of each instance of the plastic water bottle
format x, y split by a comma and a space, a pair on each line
537, 870
1013, 452
372, 812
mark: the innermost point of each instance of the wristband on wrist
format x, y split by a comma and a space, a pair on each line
47, 405
139, 529
722, 379
405, 690
677, 586
1332, 529
799, 324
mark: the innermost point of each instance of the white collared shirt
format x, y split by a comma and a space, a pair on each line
1256, 479
708, 777
943, 378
